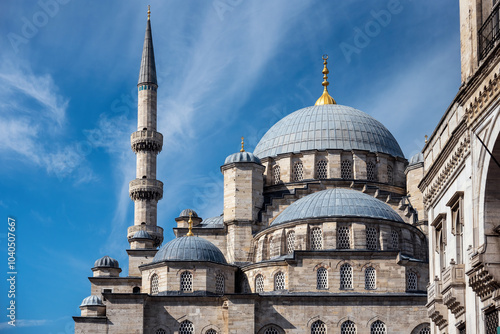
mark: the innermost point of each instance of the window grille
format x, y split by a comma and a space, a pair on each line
390, 177
276, 174
259, 283
345, 277
279, 281
316, 238
412, 281
346, 169
461, 330
271, 330
290, 242
491, 322
321, 169
370, 171
211, 331
394, 239
343, 237
154, 284
186, 282
318, 327
371, 238
378, 327
322, 279
186, 327
160, 331
219, 284
298, 172
370, 278
427, 330
348, 327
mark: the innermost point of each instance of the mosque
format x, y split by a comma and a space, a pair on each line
323, 230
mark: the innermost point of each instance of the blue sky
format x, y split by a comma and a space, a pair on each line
226, 69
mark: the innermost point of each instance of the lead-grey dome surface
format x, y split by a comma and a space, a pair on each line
212, 222
91, 301
189, 249
185, 213
106, 262
337, 202
141, 234
242, 157
330, 126
417, 158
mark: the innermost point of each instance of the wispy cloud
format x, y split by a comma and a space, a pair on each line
24, 323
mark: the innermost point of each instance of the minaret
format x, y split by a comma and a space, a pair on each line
146, 142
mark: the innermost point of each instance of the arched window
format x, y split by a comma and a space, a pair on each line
279, 281
343, 237
154, 284
219, 284
322, 279
298, 172
370, 278
425, 330
186, 327
346, 169
316, 238
160, 331
412, 281
259, 283
186, 282
390, 177
378, 327
211, 331
348, 327
394, 239
276, 174
136, 289
345, 277
271, 330
371, 238
290, 242
318, 327
321, 169
370, 171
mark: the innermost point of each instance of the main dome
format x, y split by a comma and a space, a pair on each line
338, 202
189, 249
329, 126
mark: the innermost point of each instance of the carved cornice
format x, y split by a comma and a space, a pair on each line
483, 97
146, 141
145, 189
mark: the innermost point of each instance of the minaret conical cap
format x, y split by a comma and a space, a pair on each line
147, 74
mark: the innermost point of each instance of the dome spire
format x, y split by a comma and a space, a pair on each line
190, 222
325, 98
242, 145
149, 11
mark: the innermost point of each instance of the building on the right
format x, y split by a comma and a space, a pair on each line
461, 185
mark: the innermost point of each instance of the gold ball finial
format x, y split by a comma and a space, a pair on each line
426, 139
242, 145
149, 11
190, 222
325, 98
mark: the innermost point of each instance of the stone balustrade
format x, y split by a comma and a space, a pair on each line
146, 189
146, 140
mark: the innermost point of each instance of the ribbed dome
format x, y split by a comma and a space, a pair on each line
106, 262
91, 301
419, 157
185, 213
330, 126
242, 157
337, 202
213, 222
189, 249
142, 235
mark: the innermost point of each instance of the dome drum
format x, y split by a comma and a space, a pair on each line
106, 267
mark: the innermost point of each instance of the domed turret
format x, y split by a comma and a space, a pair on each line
92, 306
186, 212
106, 267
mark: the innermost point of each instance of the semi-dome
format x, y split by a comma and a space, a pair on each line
329, 126
242, 157
189, 249
92, 301
185, 213
106, 262
142, 235
417, 158
337, 202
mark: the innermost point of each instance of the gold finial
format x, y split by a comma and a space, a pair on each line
242, 145
149, 11
426, 139
190, 222
325, 98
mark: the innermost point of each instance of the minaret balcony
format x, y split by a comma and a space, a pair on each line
436, 310
146, 189
146, 140
454, 288
156, 232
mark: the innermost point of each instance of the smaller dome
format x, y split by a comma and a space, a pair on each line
92, 301
185, 213
213, 222
242, 157
189, 249
142, 235
106, 262
417, 158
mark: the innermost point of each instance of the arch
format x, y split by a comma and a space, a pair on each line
279, 281
160, 331
154, 284
259, 283
378, 327
298, 172
136, 289
322, 278
186, 327
348, 327
186, 281
321, 169
424, 328
208, 328
271, 329
318, 327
